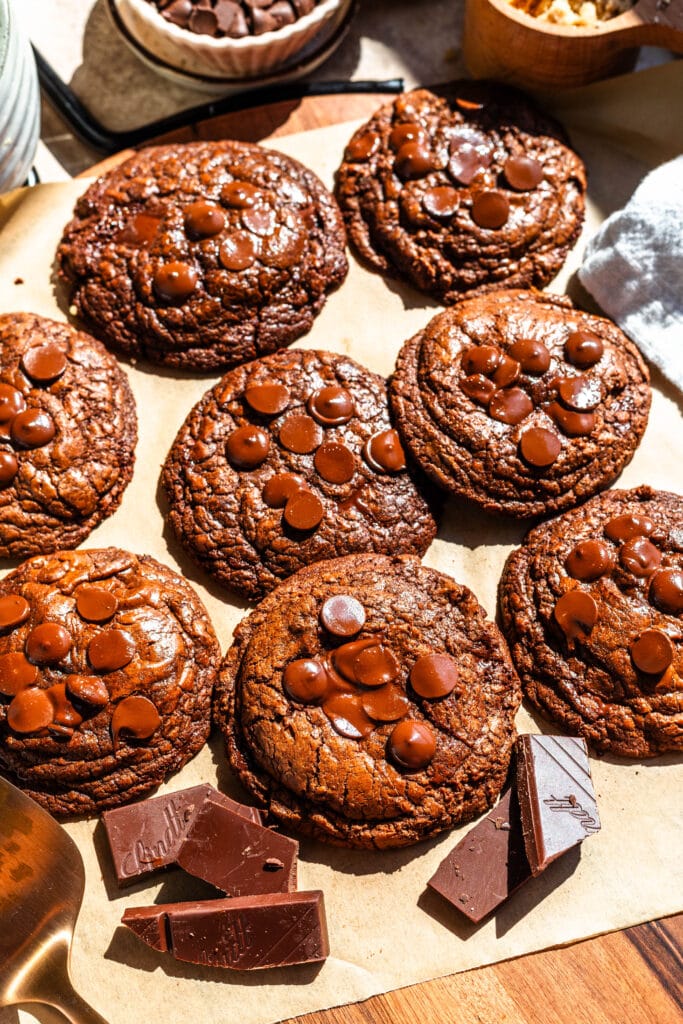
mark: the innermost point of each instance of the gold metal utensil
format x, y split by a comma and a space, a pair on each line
41, 889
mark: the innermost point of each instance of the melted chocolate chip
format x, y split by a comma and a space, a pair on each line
366, 662
639, 556
540, 447
588, 560
440, 202
33, 428
30, 711
384, 453
16, 672
141, 230
666, 590
305, 680
111, 650
652, 652
9, 467
48, 643
627, 526
304, 511
412, 745
280, 488
408, 132
506, 372
174, 282
203, 220
44, 363
583, 349
88, 689
95, 604
580, 393
342, 615
510, 406
523, 173
478, 388
471, 153
434, 675
269, 399
12, 402
301, 434
347, 717
490, 210
481, 359
260, 220
14, 609
136, 716
532, 356
385, 704
414, 160
576, 614
335, 462
363, 147
574, 424
238, 251
332, 406
240, 195
64, 713
247, 447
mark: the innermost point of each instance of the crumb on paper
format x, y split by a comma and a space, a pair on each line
580, 13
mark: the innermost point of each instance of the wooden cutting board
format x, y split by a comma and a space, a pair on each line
629, 977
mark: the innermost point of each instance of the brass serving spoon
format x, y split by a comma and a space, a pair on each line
41, 889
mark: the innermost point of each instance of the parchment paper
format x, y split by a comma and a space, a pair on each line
386, 931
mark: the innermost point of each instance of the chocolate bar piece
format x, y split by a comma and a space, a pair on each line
488, 865
147, 835
238, 856
246, 933
556, 796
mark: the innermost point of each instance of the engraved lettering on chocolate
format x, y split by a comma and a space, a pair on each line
347, 716
14, 609
16, 672
640, 556
441, 202
332, 406
203, 220
304, 511
363, 147
240, 195
510, 406
269, 399
652, 652
95, 604
247, 447
44, 363
342, 615
570, 805
478, 387
9, 467
532, 356
583, 349
412, 745
540, 447
238, 251
30, 711
666, 590
175, 281
386, 704
260, 220
135, 716
280, 488
407, 132
576, 614
305, 680
588, 560
301, 434
140, 230
335, 462
490, 210
12, 402
434, 676
88, 689
574, 424
383, 452
48, 643
110, 650
32, 428
481, 359
628, 526
523, 173
414, 160
580, 393
506, 372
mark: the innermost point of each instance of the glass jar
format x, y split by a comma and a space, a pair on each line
19, 100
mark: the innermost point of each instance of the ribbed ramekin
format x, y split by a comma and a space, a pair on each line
19, 101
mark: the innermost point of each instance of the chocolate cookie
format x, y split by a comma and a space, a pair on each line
520, 402
592, 604
203, 255
287, 461
107, 663
67, 435
475, 191
369, 702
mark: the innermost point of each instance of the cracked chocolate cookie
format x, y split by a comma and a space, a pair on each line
369, 702
287, 461
203, 255
592, 605
476, 190
68, 431
107, 665
520, 402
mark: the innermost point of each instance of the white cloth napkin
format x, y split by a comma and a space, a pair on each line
633, 267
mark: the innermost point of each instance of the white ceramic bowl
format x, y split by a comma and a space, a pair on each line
19, 101
248, 57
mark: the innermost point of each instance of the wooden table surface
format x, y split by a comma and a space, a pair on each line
629, 977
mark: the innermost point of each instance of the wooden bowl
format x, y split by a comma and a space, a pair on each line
502, 42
